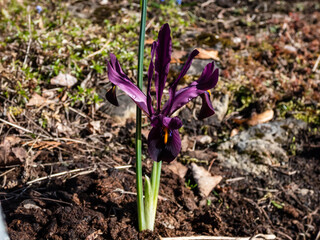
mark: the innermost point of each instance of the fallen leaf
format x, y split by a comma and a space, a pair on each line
186, 143
178, 168
20, 153
64, 79
148, 41
261, 118
290, 49
256, 119
177, 55
94, 126
208, 54
64, 129
206, 182
37, 100
234, 132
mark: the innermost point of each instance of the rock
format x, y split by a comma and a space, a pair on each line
220, 106
203, 139
3, 227
206, 182
197, 67
260, 146
125, 110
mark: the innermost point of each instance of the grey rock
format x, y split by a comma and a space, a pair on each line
259, 147
197, 67
3, 227
125, 110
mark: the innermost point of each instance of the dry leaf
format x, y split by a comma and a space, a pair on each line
186, 143
206, 182
64, 79
37, 100
257, 118
64, 129
208, 54
20, 153
178, 168
261, 118
94, 126
234, 132
177, 55
148, 41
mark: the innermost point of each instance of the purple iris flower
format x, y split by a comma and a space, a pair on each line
164, 143
39, 8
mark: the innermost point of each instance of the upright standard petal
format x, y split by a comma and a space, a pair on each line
163, 145
206, 108
173, 88
150, 75
118, 78
207, 80
162, 61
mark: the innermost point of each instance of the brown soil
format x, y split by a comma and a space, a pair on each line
101, 205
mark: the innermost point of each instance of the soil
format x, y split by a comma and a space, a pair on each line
102, 204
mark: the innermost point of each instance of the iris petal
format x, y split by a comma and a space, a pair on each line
162, 61
150, 75
111, 96
118, 78
206, 108
207, 80
158, 150
172, 90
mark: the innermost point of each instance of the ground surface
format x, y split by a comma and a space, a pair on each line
67, 157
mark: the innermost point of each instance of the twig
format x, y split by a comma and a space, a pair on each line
29, 43
314, 69
56, 175
4, 173
256, 237
21, 128
99, 51
234, 179
261, 210
207, 3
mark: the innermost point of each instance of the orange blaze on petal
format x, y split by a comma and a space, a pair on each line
166, 135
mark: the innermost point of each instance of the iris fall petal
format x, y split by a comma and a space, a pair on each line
158, 150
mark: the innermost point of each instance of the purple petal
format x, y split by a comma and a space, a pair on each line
150, 75
206, 108
118, 78
172, 123
158, 150
162, 62
207, 80
173, 88
111, 96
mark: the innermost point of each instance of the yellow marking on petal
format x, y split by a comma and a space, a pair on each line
114, 88
166, 135
209, 92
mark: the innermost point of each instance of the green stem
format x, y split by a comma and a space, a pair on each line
152, 191
141, 215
